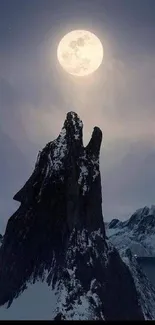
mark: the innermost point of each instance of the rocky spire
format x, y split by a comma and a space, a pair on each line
57, 235
66, 168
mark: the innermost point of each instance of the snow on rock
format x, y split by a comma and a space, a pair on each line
83, 294
136, 237
60, 150
57, 238
81, 309
123, 239
77, 123
89, 169
145, 290
137, 233
83, 176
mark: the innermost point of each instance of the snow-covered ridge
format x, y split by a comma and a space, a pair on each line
137, 233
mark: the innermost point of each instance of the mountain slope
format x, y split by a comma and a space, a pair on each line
145, 290
137, 233
57, 236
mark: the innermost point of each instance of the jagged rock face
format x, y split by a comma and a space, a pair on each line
57, 235
143, 221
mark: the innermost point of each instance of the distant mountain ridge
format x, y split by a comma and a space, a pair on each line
138, 232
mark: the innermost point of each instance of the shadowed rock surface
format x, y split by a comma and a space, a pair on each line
57, 235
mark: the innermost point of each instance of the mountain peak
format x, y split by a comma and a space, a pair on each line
137, 232
58, 235
62, 196
73, 126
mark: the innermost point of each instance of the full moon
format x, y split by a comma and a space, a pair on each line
80, 53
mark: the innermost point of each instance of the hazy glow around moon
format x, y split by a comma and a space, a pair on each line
80, 52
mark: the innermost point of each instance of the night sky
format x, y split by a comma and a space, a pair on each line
36, 94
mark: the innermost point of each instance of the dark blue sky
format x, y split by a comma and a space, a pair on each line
35, 94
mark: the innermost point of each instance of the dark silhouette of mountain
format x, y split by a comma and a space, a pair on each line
57, 235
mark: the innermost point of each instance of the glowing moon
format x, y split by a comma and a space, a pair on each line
80, 52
